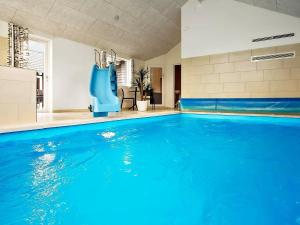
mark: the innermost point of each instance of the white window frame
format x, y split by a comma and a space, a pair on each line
48, 96
129, 68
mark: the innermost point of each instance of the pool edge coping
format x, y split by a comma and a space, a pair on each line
76, 122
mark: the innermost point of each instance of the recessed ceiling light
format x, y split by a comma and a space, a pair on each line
117, 18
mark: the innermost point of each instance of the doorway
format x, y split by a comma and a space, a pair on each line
38, 60
156, 84
177, 85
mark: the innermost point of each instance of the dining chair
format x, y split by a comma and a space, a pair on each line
127, 98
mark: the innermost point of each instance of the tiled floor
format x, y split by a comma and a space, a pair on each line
45, 120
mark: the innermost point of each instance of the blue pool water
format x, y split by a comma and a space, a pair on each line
170, 170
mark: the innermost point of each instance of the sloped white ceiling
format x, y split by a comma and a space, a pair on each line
290, 7
145, 29
230, 26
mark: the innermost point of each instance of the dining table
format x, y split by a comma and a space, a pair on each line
133, 90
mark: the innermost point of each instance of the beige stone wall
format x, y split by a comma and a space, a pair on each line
233, 75
3, 51
17, 96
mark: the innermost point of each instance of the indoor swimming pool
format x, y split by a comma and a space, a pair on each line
184, 169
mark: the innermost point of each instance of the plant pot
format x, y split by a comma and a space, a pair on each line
142, 106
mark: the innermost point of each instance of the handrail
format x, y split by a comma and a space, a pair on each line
97, 61
100, 57
113, 56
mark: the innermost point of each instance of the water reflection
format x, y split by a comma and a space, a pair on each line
127, 158
38, 148
47, 158
107, 135
49, 146
45, 183
127, 162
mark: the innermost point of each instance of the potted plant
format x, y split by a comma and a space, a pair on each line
141, 81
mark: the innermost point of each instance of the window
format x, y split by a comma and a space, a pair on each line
124, 73
124, 69
36, 56
37, 61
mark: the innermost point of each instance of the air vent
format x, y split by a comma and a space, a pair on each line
285, 55
274, 37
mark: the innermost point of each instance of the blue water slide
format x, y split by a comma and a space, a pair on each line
104, 99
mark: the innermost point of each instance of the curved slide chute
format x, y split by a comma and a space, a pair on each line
103, 98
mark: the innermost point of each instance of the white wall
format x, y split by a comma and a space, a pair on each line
3, 29
72, 65
167, 63
138, 64
71, 72
219, 26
